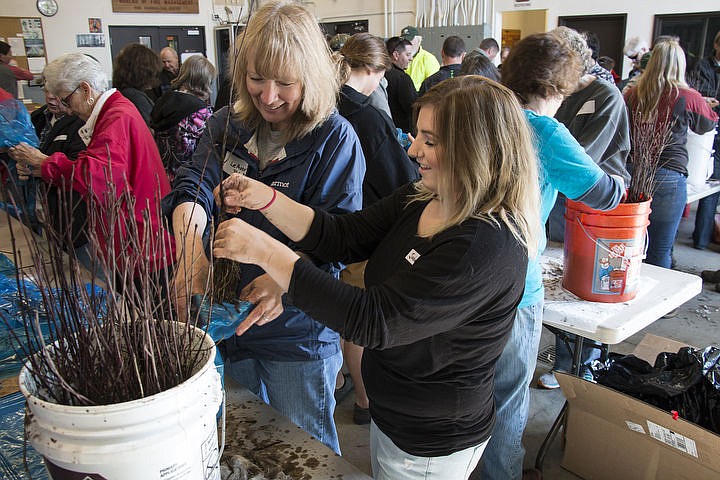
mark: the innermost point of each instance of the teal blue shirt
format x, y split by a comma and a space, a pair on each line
563, 166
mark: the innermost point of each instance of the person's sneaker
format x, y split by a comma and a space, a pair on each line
711, 276
361, 416
548, 381
587, 375
671, 314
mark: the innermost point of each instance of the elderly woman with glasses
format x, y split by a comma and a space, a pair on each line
121, 159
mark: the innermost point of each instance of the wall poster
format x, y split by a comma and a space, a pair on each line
155, 6
33, 37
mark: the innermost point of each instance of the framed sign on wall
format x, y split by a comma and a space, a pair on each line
155, 6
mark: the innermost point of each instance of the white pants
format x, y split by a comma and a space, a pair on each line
391, 463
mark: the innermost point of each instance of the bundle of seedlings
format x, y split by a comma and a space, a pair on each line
112, 334
649, 137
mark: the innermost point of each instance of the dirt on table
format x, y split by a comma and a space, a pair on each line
255, 451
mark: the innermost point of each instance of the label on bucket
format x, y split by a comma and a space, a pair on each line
210, 455
59, 473
616, 269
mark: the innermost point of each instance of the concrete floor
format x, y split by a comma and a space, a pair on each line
696, 324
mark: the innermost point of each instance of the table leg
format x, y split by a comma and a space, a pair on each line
562, 416
577, 354
550, 437
604, 352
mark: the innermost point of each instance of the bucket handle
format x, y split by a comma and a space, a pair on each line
222, 429
607, 249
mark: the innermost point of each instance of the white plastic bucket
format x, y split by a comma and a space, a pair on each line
169, 436
700, 157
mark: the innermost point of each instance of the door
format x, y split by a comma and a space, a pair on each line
696, 32
184, 40
610, 30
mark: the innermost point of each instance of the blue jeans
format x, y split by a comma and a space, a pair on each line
503, 458
563, 358
390, 462
302, 391
667, 206
705, 215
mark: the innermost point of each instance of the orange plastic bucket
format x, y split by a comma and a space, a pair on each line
603, 250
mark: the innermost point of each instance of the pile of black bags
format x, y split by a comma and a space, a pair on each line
687, 382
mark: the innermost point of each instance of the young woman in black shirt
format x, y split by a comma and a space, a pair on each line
447, 258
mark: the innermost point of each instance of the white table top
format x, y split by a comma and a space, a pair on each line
661, 290
708, 188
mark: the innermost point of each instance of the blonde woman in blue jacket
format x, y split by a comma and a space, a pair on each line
283, 131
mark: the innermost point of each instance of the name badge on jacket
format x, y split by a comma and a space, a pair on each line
587, 108
233, 164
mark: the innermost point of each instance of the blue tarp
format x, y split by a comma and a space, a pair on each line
12, 445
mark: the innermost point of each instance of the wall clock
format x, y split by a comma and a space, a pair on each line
47, 7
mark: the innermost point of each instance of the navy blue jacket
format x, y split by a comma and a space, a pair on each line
324, 169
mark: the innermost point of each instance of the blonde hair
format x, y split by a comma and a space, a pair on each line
665, 73
284, 41
487, 160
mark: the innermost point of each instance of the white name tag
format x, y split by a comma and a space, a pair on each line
233, 164
587, 108
412, 256
60, 138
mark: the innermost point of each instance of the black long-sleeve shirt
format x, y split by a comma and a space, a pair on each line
434, 318
388, 166
401, 96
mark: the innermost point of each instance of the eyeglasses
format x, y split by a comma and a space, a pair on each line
66, 100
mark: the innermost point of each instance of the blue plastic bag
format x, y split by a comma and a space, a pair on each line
404, 139
221, 320
15, 125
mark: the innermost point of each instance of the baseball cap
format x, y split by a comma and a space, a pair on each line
409, 32
338, 41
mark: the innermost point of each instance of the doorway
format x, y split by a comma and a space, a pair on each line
610, 31
520, 24
185, 40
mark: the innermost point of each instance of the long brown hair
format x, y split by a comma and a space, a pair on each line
664, 74
487, 160
363, 50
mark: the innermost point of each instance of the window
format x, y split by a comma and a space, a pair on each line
695, 30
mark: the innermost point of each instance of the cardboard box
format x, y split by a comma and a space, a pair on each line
611, 436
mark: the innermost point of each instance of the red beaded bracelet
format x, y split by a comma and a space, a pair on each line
272, 200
